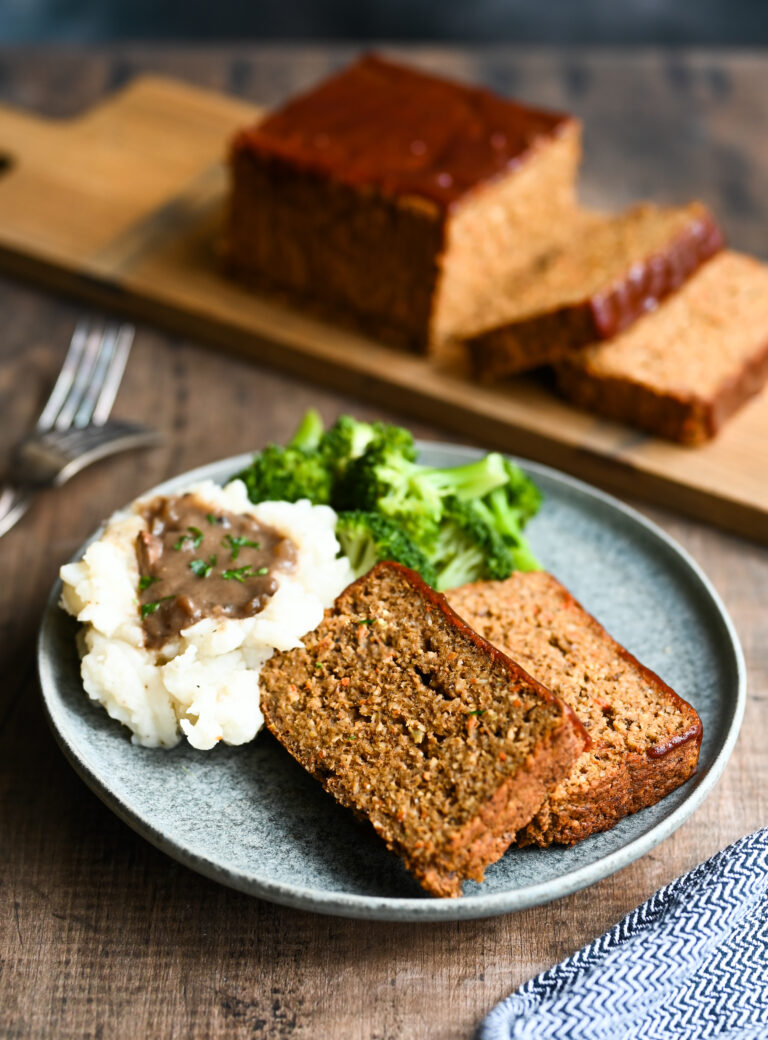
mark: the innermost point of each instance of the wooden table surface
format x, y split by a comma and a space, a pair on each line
101, 935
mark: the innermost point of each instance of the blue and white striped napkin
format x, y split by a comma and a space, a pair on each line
689, 964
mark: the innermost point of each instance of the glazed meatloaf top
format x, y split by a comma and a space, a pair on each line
411, 719
381, 125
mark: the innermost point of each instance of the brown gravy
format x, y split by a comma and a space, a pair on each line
196, 561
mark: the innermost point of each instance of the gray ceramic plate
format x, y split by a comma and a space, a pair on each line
250, 817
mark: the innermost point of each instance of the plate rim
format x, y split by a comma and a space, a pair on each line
392, 908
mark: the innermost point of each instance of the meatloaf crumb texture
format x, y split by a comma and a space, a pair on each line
681, 371
409, 718
645, 739
600, 276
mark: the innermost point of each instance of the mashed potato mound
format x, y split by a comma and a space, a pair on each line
204, 685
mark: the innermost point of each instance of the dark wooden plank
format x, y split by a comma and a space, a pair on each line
102, 936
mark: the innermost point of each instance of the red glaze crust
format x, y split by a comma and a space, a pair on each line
550, 336
401, 131
656, 278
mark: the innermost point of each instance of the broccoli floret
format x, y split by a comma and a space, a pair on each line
520, 492
382, 479
470, 547
498, 512
288, 474
508, 509
452, 525
394, 438
345, 440
367, 538
348, 439
309, 432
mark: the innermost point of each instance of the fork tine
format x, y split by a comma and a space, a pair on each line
114, 374
81, 381
98, 375
66, 377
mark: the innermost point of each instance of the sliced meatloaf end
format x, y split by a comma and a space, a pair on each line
597, 280
683, 370
644, 738
411, 719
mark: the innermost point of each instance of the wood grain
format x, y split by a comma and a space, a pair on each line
130, 215
101, 936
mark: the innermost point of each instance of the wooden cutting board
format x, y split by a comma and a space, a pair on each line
123, 207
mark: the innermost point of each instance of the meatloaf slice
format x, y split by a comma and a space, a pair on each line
596, 280
645, 739
683, 370
412, 720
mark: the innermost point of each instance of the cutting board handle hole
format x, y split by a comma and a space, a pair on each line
6, 163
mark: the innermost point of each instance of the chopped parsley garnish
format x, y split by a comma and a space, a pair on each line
192, 539
146, 580
262, 571
477, 711
239, 574
203, 568
150, 608
366, 620
237, 542
212, 519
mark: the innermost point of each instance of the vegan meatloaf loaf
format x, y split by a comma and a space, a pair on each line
412, 720
600, 278
681, 371
392, 197
645, 739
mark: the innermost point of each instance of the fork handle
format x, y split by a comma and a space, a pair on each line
14, 502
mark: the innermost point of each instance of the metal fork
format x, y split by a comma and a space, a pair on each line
72, 431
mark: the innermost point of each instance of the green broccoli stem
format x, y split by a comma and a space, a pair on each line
466, 566
509, 521
310, 430
507, 518
524, 558
473, 480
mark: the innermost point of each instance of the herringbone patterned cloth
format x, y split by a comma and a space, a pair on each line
689, 964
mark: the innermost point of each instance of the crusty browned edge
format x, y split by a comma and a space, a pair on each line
409, 339
510, 349
571, 603
644, 778
685, 418
485, 839
638, 785
545, 338
409, 333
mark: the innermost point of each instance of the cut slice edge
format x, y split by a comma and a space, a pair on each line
597, 280
684, 370
468, 818
629, 765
